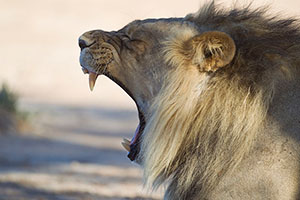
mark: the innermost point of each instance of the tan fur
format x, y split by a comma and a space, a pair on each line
216, 119
219, 112
190, 49
218, 46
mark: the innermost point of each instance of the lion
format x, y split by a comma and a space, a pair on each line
218, 100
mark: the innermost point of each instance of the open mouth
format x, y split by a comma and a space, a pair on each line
133, 145
96, 60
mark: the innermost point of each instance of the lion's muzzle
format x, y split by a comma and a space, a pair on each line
96, 54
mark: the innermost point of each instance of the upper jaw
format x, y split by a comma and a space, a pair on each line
87, 69
95, 59
88, 58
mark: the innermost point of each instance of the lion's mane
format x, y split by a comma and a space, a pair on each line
203, 125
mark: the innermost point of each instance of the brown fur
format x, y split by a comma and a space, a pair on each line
202, 126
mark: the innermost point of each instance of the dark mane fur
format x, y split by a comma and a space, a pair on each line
262, 40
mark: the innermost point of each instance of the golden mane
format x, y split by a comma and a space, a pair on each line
199, 118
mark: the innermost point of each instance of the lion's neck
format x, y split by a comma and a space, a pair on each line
201, 127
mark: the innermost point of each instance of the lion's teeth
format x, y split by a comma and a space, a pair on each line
126, 141
126, 144
92, 80
85, 71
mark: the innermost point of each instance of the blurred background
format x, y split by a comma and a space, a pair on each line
58, 140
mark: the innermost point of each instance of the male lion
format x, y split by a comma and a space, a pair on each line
218, 97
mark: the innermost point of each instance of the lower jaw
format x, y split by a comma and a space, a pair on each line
134, 146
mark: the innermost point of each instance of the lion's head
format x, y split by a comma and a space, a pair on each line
138, 58
202, 85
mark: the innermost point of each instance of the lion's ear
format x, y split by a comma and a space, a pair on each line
211, 50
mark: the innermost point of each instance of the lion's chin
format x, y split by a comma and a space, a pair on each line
133, 146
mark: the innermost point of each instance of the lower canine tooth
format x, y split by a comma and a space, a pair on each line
126, 141
126, 146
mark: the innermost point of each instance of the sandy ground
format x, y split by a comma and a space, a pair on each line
73, 151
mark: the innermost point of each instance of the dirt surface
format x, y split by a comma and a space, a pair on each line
66, 156
73, 151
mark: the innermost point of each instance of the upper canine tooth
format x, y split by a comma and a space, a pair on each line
92, 80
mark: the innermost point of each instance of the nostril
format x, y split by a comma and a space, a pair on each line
82, 44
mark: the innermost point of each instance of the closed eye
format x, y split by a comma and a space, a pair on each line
124, 36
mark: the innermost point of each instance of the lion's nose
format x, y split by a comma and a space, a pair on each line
82, 44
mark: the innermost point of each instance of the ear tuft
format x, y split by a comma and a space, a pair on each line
211, 50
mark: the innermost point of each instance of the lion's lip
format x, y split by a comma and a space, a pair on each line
135, 143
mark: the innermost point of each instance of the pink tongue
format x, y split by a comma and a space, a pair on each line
135, 137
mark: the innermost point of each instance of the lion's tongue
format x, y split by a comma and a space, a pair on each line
92, 80
135, 137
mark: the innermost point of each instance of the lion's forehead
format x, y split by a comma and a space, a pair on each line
168, 27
